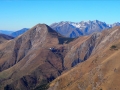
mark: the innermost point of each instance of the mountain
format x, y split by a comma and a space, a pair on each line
66, 29
5, 32
100, 71
14, 34
73, 29
19, 32
33, 59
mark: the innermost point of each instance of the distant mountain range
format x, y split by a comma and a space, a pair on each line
19, 32
6, 32
14, 33
73, 29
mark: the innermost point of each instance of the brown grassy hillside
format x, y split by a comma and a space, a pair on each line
100, 72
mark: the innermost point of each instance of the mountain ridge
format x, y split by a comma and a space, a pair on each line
7, 32
76, 29
72, 29
19, 32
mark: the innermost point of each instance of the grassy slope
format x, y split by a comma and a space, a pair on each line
100, 72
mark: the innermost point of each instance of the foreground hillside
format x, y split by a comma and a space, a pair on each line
99, 72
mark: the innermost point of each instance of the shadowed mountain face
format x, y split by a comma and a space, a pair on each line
34, 59
100, 71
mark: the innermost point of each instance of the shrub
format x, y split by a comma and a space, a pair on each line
113, 47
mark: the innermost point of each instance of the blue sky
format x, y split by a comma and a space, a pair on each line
17, 14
